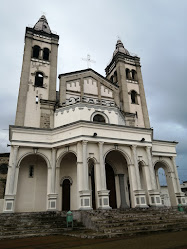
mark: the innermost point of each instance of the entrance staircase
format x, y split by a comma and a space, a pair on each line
97, 223
20, 225
132, 222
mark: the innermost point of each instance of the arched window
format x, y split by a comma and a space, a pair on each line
46, 54
115, 80
99, 118
134, 97
134, 75
111, 79
128, 74
39, 79
36, 52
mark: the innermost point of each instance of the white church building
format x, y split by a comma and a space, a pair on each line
89, 145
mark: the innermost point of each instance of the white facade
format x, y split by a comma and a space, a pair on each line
90, 145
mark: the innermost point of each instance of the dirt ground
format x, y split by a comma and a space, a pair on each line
172, 240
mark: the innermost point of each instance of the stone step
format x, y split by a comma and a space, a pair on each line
135, 223
142, 227
131, 220
39, 231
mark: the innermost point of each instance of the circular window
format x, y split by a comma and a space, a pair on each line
99, 118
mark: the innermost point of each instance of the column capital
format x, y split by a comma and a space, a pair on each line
16, 147
133, 147
148, 148
100, 143
130, 164
84, 142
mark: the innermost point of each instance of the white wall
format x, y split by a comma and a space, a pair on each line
32, 192
66, 115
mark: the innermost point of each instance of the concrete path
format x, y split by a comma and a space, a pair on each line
173, 240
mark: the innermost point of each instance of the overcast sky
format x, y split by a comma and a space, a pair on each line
154, 30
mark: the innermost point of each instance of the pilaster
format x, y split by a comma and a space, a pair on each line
135, 160
52, 196
84, 193
142, 96
103, 193
180, 196
154, 194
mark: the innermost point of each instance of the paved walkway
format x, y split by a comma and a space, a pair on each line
173, 240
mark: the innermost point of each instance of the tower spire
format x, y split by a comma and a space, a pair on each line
42, 25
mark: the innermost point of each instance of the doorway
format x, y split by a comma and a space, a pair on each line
66, 195
93, 188
110, 182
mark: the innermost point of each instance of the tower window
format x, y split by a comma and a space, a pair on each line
39, 79
31, 171
134, 75
134, 97
36, 52
115, 79
128, 74
99, 118
46, 54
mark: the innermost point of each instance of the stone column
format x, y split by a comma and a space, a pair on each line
41, 54
134, 153
102, 167
85, 165
53, 171
13, 170
152, 173
147, 176
122, 191
84, 203
52, 196
103, 193
178, 189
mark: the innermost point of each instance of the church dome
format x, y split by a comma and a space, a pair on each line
42, 25
120, 48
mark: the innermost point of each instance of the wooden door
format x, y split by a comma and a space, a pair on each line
110, 182
66, 195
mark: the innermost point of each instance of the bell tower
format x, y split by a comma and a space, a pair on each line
37, 92
124, 70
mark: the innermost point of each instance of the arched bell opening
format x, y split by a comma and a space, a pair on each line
31, 193
117, 180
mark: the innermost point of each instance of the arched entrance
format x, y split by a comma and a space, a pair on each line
66, 195
117, 179
31, 193
110, 183
68, 182
165, 184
